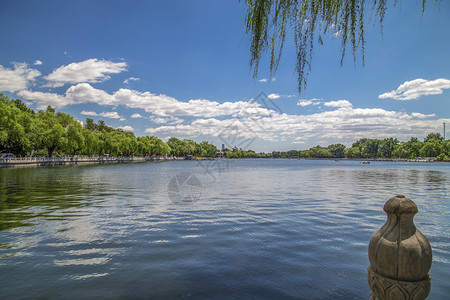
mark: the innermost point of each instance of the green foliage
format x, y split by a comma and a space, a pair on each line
442, 157
205, 149
337, 150
432, 148
270, 21
23, 131
433, 136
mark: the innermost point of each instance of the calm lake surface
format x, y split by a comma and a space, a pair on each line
248, 229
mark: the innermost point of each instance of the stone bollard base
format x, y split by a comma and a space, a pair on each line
384, 288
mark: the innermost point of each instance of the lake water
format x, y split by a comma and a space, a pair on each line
248, 229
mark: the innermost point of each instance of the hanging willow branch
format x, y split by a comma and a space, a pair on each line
268, 21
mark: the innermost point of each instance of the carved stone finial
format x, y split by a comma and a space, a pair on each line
400, 255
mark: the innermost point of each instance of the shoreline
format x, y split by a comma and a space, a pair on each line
70, 161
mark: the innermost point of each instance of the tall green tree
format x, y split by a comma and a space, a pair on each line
205, 149
176, 145
52, 133
387, 147
13, 136
75, 138
337, 150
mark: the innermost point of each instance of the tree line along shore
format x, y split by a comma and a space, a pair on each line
24, 131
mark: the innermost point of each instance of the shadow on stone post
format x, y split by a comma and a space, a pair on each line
400, 255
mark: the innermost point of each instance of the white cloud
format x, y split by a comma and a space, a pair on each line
136, 116
298, 140
165, 106
126, 81
42, 100
421, 116
159, 105
85, 93
267, 79
273, 96
413, 89
37, 63
105, 114
170, 120
306, 102
91, 70
19, 78
89, 113
344, 124
110, 114
126, 128
338, 103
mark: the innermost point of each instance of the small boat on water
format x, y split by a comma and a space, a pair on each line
365, 162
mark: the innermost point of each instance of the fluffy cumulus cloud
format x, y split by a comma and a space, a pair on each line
105, 114
89, 113
91, 70
344, 124
42, 100
37, 63
85, 93
338, 103
413, 89
169, 120
136, 116
306, 102
273, 96
18, 78
160, 105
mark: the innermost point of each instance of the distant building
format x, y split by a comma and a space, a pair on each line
221, 154
223, 146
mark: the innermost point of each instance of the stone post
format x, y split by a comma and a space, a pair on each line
400, 255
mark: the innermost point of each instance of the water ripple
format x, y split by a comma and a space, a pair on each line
269, 229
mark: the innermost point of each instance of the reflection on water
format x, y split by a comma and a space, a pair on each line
262, 229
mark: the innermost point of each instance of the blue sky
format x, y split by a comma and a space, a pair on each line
180, 68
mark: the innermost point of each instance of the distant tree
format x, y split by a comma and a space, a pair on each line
387, 147
89, 124
188, 147
175, 145
337, 150
433, 135
50, 110
205, 149
75, 138
52, 132
432, 148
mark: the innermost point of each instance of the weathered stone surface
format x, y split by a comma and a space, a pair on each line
389, 289
400, 255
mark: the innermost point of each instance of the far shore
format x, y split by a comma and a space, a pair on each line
41, 161
37, 161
